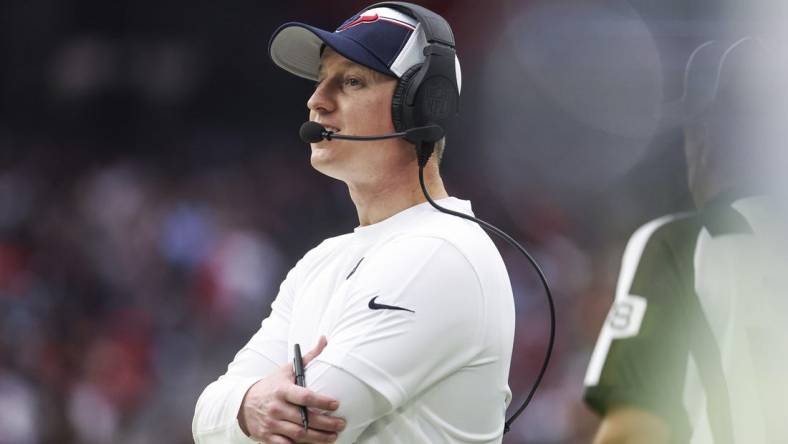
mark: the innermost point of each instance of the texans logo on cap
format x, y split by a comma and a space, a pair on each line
372, 17
366, 17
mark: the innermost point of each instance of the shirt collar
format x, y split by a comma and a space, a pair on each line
373, 230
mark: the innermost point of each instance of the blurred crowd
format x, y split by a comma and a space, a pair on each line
125, 291
153, 195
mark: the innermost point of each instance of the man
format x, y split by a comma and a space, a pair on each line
692, 349
409, 317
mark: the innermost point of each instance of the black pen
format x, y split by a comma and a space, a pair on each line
298, 366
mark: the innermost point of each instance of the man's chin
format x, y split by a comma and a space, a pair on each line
326, 162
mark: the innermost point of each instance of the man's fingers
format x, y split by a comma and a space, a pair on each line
301, 396
297, 433
315, 436
321, 344
324, 422
317, 420
312, 354
278, 439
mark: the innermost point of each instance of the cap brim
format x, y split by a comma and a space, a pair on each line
295, 47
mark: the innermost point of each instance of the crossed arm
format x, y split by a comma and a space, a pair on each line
256, 399
268, 407
257, 395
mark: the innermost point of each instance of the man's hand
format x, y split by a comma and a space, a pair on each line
269, 411
631, 425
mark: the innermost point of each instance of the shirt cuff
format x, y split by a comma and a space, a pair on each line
236, 435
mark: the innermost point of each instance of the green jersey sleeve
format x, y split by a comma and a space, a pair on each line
641, 354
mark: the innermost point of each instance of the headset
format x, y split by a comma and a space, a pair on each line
428, 95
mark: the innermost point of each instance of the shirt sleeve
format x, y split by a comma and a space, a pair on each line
640, 357
359, 403
215, 416
414, 315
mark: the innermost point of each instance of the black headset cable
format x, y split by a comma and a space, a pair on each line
423, 155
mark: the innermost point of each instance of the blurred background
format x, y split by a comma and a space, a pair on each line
154, 192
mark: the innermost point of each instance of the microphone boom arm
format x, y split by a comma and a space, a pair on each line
313, 132
328, 135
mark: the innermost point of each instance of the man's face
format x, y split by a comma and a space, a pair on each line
354, 100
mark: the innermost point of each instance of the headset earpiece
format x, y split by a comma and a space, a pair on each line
401, 114
428, 93
436, 98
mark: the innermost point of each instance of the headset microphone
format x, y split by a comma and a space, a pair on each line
313, 132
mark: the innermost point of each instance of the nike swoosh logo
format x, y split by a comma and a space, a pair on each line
375, 306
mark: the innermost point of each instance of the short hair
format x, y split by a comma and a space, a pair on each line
440, 146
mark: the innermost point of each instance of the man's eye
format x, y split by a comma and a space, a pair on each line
352, 81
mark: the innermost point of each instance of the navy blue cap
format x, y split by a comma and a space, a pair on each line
383, 39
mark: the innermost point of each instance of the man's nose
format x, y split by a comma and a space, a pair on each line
321, 101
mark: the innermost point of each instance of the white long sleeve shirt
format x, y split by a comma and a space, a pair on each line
419, 317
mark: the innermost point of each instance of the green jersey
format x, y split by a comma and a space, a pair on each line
683, 338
